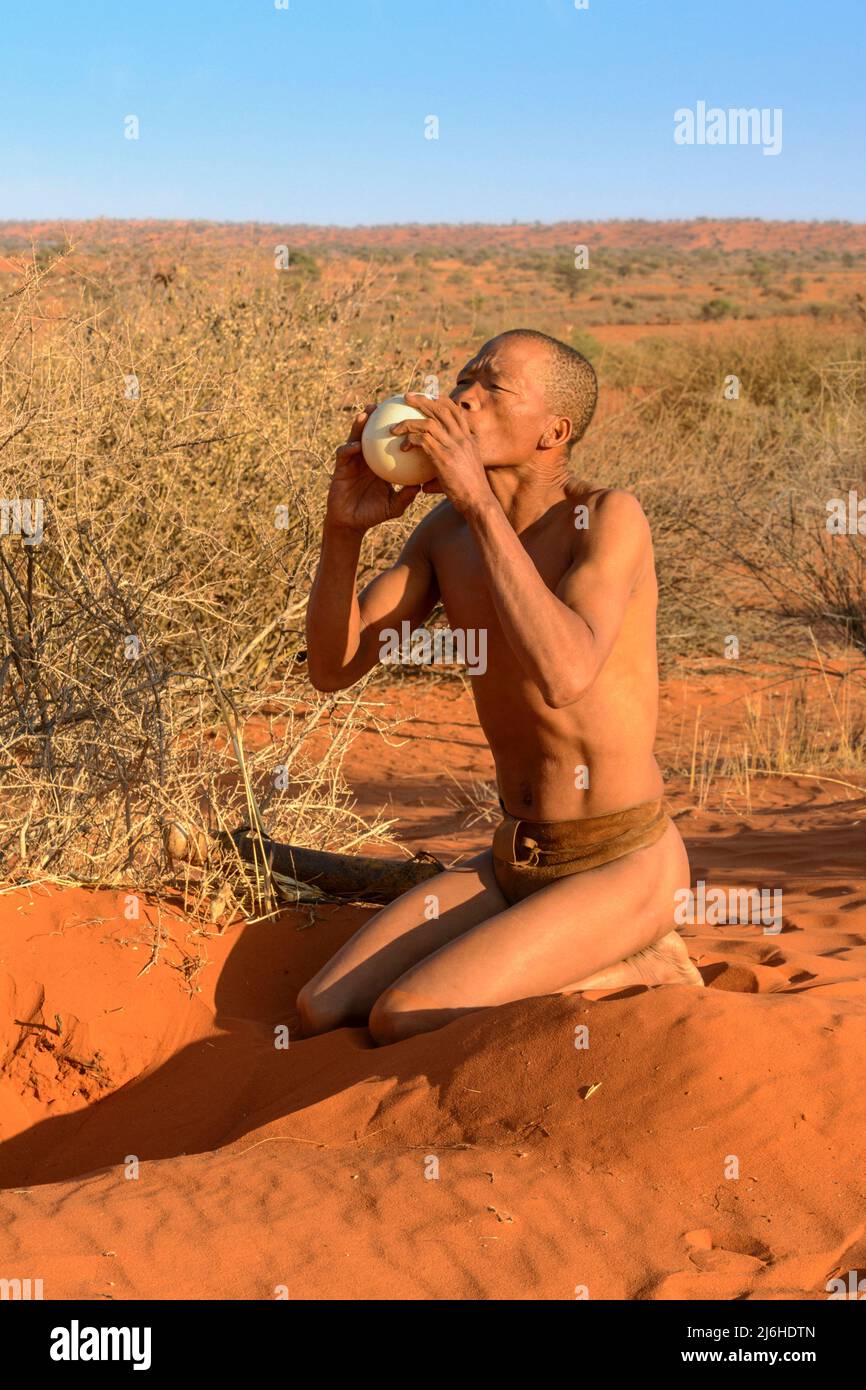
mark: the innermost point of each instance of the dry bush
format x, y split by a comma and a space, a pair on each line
179, 444
737, 490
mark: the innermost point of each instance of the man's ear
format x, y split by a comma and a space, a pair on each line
556, 434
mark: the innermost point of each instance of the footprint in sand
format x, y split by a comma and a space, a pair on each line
769, 956
711, 1271
739, 979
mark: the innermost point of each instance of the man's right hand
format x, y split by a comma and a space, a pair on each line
357, 498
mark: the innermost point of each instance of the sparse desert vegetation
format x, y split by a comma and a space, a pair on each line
174, 399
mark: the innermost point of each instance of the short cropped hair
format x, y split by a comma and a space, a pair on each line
570, 385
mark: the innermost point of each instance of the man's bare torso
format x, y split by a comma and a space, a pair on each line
593, 756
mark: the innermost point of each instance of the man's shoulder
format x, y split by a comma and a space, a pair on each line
438, 522
617, 536
615, 504
612, 512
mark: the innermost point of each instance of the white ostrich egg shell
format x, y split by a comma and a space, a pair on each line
382, 451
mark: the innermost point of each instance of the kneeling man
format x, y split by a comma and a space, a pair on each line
578, 888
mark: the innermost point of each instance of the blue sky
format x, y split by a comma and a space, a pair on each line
316, 113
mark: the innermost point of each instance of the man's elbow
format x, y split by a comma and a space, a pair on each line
328, 682
565, 692
326, 685
328, 679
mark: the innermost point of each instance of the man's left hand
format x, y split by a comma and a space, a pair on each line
446, 437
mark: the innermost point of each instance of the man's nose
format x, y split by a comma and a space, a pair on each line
465, 397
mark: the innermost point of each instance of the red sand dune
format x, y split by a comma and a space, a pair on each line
305, 1168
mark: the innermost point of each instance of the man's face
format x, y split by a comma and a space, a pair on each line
502, 389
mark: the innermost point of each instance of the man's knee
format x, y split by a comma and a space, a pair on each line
394, 1016
316, 1014
399, 1014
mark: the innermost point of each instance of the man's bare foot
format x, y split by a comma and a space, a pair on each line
665, 962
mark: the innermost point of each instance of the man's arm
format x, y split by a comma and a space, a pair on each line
563, 639
344, 634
